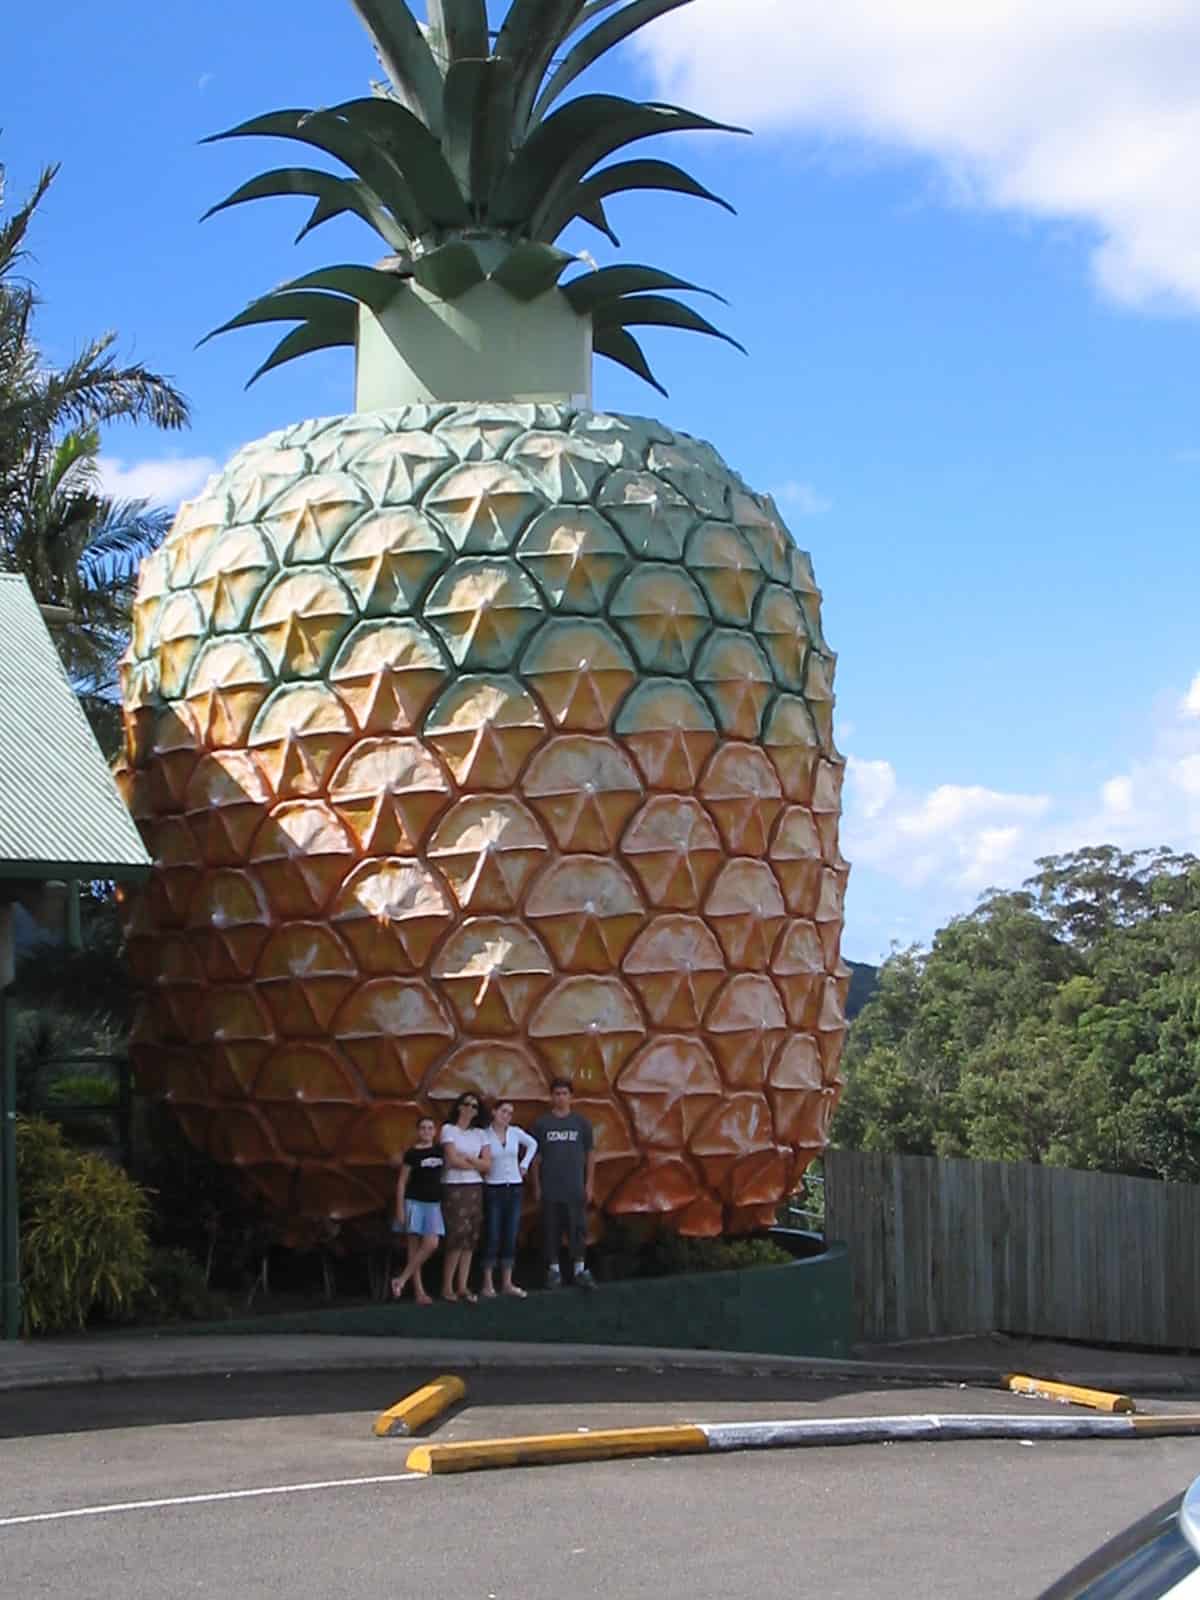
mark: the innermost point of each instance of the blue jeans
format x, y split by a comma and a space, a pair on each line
503, 1201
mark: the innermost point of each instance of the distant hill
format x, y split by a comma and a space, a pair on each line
864, 981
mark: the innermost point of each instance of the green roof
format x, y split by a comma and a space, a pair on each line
61, 814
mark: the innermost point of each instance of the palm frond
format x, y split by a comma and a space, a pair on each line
94, 388
12, 232
122, 534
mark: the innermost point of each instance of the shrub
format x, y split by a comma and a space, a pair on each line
175, 1290
43, 1159
83, 1089
199, 1207
672, 1254
87, 1128
46, 1033
84, 1233
633, 1250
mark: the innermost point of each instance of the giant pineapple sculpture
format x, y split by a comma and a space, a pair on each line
478, 736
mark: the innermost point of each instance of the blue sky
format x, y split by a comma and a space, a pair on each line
968, 276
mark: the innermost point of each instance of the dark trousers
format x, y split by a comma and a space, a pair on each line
503, 1202
563, 1214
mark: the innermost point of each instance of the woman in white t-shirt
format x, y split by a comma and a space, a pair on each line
512, 1151
468, 1161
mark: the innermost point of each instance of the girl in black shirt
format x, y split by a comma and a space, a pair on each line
419, 1207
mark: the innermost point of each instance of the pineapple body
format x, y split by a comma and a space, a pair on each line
476, 744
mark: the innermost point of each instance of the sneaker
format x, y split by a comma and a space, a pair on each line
554, 1278
584, 1279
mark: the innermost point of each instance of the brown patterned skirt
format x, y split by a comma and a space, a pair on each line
462, 1208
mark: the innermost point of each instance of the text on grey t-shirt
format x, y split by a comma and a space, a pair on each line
563, 1147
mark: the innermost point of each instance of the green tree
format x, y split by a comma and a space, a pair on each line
1059, 1024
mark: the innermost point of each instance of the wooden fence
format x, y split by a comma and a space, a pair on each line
961, 1247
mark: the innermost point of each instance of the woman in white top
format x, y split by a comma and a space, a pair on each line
512, 1149
467, 1163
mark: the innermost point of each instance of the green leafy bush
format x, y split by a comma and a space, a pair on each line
633, 1250
672, 1254
83, 1089
85, 1246
175, 1290
88, 1129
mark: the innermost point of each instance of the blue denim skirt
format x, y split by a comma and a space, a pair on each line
423, 1217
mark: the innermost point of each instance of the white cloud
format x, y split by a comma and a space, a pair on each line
960, 834
203, 81
872, 783
1191, 700
1077, 110
1117, 796
1187, 775
802, 499
165, 482
954, 840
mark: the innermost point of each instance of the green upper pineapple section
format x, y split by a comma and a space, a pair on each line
469, 168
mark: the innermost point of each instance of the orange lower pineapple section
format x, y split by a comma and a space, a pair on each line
478, 788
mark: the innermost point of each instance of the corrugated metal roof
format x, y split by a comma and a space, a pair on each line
59, 806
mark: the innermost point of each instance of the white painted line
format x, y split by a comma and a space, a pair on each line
206, 1499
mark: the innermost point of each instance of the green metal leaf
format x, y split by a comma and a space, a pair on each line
599, 42
268, 185
335, 197
656, 311
610, 283
558, 154
281, 306
478, 126
532, 269
623, 348
461, 29
352, 195
339, 327
530, 37
450, 270
590, 12
595, 216
623, 178
374, 288
323, 130
405, 56
404, 140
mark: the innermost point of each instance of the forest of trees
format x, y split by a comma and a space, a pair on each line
1058, 1024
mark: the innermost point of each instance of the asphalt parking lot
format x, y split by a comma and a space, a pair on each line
274, 1486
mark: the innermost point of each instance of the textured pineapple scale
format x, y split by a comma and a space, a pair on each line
475, 745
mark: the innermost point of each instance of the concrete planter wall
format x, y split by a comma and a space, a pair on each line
802, 1309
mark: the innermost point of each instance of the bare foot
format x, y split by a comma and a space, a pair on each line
488, 1294
471, 1299
512, 1289
397, 1288
424, 1300
447, 1296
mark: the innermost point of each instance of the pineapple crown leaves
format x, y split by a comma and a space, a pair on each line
469, 170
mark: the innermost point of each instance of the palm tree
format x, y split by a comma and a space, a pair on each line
80, 550
78, 547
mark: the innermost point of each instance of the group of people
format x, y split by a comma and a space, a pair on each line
468, 1181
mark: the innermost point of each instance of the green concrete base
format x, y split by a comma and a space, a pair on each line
802, 1309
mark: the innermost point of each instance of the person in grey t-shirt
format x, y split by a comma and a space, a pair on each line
563, 1176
